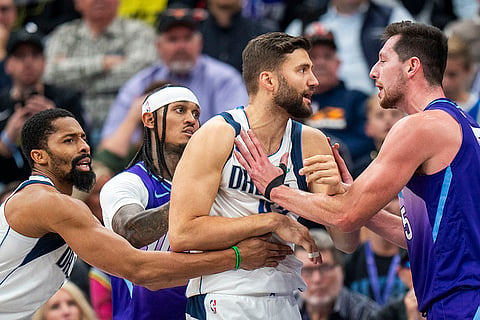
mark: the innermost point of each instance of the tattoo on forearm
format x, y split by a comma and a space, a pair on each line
141, 228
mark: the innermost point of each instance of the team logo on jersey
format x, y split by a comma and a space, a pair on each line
213, 306
67, 261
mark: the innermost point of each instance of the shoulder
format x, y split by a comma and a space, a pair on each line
67, 28
314, 142
135, 25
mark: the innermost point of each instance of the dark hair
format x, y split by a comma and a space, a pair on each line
267, 52
426, 42
38, 128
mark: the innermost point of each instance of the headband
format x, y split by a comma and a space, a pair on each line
166, 96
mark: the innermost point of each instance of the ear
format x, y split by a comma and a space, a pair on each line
39, 156
267, 81
148, 120
413, 65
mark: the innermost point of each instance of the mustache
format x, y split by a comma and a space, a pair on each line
76, 160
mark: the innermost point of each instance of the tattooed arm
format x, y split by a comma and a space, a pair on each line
141, 227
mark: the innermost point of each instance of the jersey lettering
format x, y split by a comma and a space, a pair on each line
239, 179
66, 261
406, 224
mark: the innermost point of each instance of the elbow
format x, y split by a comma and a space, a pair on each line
347, 224
178, 243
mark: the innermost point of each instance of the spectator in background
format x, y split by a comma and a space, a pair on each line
217, 85
25, 64
8, 16
68, 303
226, 31
458, 74
357, 26
337, 111
97, 54
405, 307
326, 297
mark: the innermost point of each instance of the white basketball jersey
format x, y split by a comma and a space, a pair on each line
237, 197
31, 269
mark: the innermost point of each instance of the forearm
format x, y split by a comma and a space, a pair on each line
169, 269
141, 228
216, 233
119, 142
389, 226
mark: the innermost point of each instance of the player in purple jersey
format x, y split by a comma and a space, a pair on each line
432, 154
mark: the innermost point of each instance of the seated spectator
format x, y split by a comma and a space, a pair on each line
337, 111
326, 297
371, 269
8, 16
458, 74
97, 54
405, 307
25, 64
357, 26
68, 303
226, 31
217, 85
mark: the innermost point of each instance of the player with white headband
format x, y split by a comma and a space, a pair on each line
135, 203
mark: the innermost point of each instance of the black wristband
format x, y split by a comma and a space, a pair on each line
276, 182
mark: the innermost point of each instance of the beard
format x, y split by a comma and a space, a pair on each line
289, 99
82, 180
393, 96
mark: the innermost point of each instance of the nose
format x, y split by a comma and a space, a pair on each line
313, 82
84, 146
374, 72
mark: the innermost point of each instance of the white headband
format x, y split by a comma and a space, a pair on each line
166, 96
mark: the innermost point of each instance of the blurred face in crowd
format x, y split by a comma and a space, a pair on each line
379, 121
97, 10
296, 83
62, 306
8, 15
324, 281
179, 47
455, 78
26, 65
325, 67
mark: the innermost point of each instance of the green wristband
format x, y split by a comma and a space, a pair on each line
239, 259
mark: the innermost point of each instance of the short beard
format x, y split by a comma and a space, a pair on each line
83, 181
288, 99
392, 99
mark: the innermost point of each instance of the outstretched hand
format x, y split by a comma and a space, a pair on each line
255, 161
329, 170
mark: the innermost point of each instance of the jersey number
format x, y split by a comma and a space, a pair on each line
406, 224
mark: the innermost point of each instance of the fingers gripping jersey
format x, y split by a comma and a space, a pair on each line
237, 196
31, 269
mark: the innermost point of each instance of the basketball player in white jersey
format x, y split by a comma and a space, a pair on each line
41, 226
214, 203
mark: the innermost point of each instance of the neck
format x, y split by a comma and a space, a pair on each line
420, 97
268, 122
96, 27
321, 312
172, 154
63, 187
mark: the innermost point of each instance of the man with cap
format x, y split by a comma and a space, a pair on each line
217, 85
337, 111
25, 64
135, 203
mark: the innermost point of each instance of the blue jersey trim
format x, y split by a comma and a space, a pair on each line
296, 156
236, 126
129, 287
441, 202
196, 307
477, 314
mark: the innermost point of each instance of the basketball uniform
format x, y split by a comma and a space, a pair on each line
237, 197
31, 269
441, 219
136, 185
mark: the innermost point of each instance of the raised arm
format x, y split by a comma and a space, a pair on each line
195, 185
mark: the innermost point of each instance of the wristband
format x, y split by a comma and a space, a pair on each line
278, 181
237, 254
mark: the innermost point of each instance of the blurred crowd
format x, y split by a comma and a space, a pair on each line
100, 58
